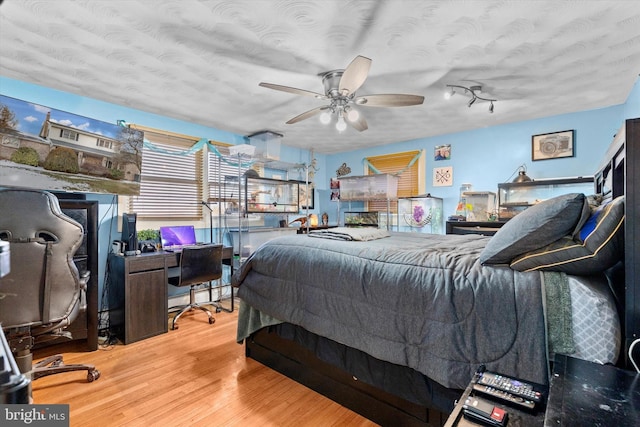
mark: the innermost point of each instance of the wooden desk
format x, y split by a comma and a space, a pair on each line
138, 293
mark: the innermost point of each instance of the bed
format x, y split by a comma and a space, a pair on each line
393, 325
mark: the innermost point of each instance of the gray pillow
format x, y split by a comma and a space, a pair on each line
538, 226
598, 246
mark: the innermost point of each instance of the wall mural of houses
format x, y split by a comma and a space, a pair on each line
49, 149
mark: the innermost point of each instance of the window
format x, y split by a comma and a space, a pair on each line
171, 184
69, 134
104, 143
410, 180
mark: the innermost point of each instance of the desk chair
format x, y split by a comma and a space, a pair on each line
41, 295
198, 264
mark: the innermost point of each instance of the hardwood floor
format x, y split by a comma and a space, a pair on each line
195, 375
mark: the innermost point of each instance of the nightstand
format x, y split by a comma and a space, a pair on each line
589, 394
581, 394
485, 228
516, 417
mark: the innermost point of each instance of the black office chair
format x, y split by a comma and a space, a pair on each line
41, 295
198, 265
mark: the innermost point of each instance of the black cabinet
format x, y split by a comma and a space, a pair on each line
485, 228
138, 295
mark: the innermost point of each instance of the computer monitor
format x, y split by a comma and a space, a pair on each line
177, 236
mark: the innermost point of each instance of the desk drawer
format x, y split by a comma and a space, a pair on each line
146, 264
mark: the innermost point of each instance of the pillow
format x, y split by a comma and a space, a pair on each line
598, 245
537, 226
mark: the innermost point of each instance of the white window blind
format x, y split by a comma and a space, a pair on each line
171, 183
223, 176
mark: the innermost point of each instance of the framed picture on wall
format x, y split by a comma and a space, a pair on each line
443, 177
442, 152
553, 145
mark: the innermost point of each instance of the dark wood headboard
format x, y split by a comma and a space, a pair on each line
620, 175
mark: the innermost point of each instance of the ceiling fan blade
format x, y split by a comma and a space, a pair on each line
389, 100
354, 75
360, 124
307, 114
293, 90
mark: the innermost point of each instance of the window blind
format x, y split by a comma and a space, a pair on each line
171, 183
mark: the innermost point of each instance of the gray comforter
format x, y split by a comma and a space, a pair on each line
418, 300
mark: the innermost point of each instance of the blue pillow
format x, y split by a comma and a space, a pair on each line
590, 226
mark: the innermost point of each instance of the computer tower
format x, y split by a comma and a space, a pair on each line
129, 234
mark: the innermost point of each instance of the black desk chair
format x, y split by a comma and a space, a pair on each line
198, 265
42, 293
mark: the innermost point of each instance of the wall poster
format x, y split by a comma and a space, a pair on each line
49, 149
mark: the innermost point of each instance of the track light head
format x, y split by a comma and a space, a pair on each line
449, 94
473, 91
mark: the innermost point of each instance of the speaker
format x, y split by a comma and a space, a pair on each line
129, 234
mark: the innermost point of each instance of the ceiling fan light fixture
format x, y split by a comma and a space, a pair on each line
473, 91
352, 114
340, 87
325, 117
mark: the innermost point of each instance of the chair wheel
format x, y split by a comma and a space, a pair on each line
212, 320
174, 327
93, 375
218, 309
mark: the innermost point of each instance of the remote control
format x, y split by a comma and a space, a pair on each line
505, 396
480, 410
510, 385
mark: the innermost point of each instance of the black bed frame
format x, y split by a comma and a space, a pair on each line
303, 366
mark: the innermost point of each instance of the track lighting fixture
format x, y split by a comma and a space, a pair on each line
474, 91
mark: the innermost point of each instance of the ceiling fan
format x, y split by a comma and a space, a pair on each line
340, 88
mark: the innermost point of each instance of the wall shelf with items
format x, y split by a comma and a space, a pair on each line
514, 197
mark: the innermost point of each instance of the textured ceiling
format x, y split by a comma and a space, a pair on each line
201, 61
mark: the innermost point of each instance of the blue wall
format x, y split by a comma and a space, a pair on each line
486, 157
483, 157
